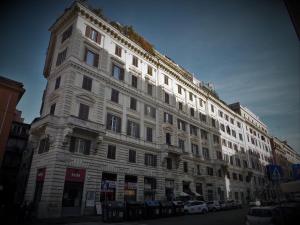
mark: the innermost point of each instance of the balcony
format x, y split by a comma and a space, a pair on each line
73, 122
85, 125
172, 149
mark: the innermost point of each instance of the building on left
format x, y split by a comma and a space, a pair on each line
14, 158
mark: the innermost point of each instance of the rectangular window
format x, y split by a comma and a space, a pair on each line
179, 89
226, 117
181, 144
118, 51
213, 122
180, 106
117, 72
233, 133
181, 125
198, 173
133, 103
134, 81
93, 34
168, 138
245, 164
111, 152
133, 129
201, 102
224, 142
193, 130
87, 83
240, 136
150, 111
113, 123
80, 145
57, 82
66, 34
135, 61
219, 155
166, 80
212, 108
210, 171
169, 163
238, 124
150, 160
114, 95
52, 109
91, 58
150, 89
168, 118
205, 153
61, 57
202, 117
191, 96
235, 147
204, 135
44, 145
216, 139
222, 127
185, 167
195, 149
83, 111
167, 98
231, 120
192, 111
132, 156
149, 134
220, 113
149, 70
238, 162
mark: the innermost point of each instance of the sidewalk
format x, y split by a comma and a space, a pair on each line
87, 220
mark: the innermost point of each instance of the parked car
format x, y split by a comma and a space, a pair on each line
230, 204
286, 213
195, 207
239, 204
222, 205
255, 203
260, 215
213, 206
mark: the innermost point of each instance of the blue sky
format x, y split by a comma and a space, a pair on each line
247, 48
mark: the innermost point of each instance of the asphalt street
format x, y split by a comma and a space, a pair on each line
230, 217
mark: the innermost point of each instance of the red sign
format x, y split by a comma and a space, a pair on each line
75, 175
41, 173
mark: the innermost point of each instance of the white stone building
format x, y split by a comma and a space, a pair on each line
119, 122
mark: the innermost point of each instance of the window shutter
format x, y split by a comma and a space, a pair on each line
87, 147
47, 144
88, 31
128, 128
108, 121
96, 60
118, 125
72, 144
121, 73
138, 131
112, 69
98, 38
85, 54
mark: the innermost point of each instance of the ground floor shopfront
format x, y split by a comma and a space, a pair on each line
77, 190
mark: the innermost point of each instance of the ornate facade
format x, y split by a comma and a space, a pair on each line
120, 123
